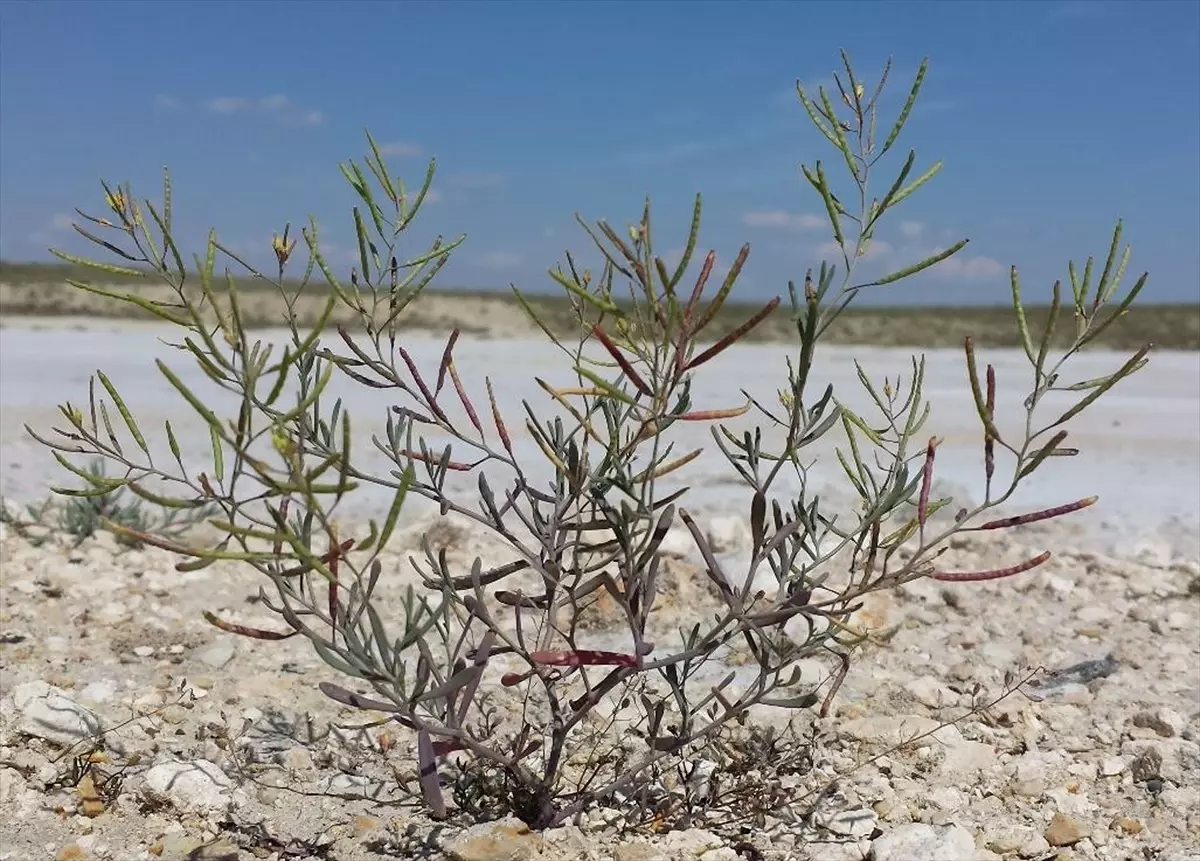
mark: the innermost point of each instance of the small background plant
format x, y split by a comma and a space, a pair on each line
79, 517
506, 692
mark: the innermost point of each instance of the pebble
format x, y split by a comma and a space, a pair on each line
927, 842
728, 534
509, 840
1164, 721
199, 786
930, 692
1064, 831
216, 655
848, 823
49, 713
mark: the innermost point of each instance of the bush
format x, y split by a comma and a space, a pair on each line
81, 515
585, 504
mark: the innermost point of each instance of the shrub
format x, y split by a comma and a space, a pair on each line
81, 515
586, 501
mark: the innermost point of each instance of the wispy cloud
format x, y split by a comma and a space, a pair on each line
277, 107
961, 266
777, 219
167, 103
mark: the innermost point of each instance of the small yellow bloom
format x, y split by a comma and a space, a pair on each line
858, 90
282, 246
116, 202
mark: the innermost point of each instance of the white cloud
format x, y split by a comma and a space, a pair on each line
780, 220
967, 268
167, 103
400, 149
62, 221
278, 107
912, 229
500, 260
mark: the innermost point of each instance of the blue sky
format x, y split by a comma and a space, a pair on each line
1052, 118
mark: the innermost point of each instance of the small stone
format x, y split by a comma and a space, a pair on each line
692, 843
509, 840
1111, 766
218, 850
1164, 721
364, 825
143, 651
216, 655
638, 852
49, 713
1064, 831
198, 786
1147, 765
849, 823
723, 853
1177, 620
1036, 847
71, 852
100, 691
179, 847
728, 534
1007, 841
928, 842
1128, 825
296, 758
678, 542
930, 692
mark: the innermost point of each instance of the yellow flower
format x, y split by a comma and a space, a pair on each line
282, 246
116, 202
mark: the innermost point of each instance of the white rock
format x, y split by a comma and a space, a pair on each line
678, 542
197, 787
722, 854
1156, 554
849, 823
508, 840
948, 798
99, 691
927, 842
692, 843
215, 655
1177, 620
48, 712
930, 692
1111, 766
728, 534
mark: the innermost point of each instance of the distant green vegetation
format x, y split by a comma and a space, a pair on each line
40, 288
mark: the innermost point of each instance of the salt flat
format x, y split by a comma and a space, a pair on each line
1140, 443
1098, 755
